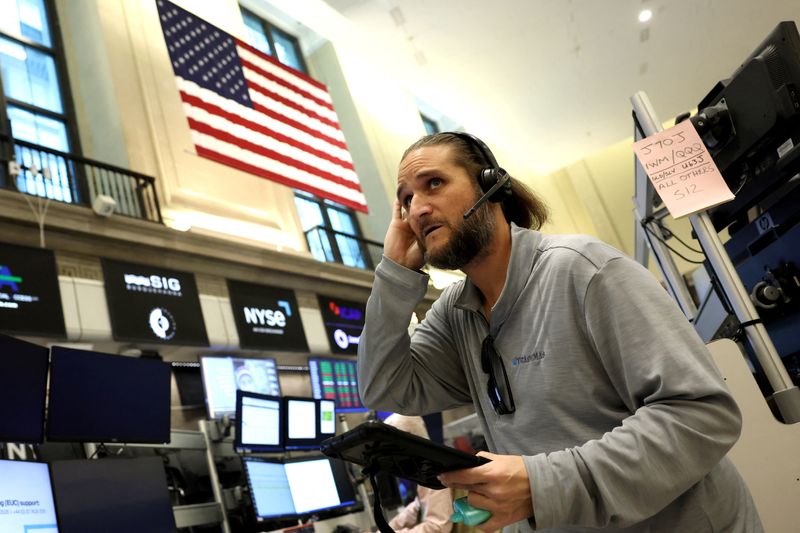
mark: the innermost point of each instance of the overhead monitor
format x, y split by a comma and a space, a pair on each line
153, 304
223, 375
97, 397
337, 380
119, 495
343, 320
267, 318
23, 388
259, 422
30, 298
26, 498
298, 487
301, 423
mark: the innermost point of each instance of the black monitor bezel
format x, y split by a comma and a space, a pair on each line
259, 518
243, 447
320, 435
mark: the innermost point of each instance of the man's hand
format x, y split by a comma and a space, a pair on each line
501, 487
400, 244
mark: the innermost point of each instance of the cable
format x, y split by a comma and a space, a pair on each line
670, 233
670, 248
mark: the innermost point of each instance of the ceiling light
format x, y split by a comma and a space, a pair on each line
645, 15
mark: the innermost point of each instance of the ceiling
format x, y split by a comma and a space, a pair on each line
549, 81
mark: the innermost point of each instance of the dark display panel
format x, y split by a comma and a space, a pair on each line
189, 381
224, 375
259, 422
151, 304
96, 397
23, 388
343, 321
30, 299
26, 498
335, 379
266, 318
298, 487
119, 495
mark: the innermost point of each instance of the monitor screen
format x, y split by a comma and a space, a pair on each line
259, 423
119, 495
152, 304
327, 418
97, 397
26, 498
298, 487
30, 298
224, 375
335, 379
343, 322
301, 417
23, 388
266, 317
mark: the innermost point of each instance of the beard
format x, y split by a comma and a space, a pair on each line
469, 240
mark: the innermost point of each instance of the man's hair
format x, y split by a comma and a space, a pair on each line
523, 207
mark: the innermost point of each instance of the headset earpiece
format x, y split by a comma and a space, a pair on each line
491, 175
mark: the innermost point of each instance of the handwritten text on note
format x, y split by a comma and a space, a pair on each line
681, 170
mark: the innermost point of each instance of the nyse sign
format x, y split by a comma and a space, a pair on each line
266, 317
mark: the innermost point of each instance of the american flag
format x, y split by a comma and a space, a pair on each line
248, 111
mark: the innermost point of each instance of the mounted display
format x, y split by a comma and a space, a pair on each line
153, 305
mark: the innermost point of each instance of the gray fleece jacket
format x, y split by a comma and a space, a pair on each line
621, 417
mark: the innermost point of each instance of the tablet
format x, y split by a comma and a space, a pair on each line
397, 452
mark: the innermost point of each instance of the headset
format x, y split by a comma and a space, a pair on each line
493, 180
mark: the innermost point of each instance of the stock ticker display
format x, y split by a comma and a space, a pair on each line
335, 379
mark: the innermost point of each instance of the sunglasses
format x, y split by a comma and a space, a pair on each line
499, 392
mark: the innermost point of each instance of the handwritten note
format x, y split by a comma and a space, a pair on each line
682, 171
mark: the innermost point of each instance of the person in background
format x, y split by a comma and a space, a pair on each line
430, 510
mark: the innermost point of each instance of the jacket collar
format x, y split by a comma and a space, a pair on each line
524, 243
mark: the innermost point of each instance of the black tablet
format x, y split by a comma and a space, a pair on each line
397, 452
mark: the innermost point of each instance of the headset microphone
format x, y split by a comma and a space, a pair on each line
488, 194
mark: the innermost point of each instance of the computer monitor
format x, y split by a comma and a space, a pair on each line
119, 495
298, 487
336, 379
751, 123
26, 497
97, 397
259, 422
23, 388
301, 423
223, 375
327, 418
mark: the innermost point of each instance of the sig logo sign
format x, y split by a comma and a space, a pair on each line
151, 304
266, 317
343, 322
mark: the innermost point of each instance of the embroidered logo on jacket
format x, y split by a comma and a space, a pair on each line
535, 356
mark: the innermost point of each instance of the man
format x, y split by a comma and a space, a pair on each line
600, 403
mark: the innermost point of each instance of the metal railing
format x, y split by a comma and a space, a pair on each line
333, 246
40, 171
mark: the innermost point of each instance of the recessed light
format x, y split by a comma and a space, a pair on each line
645, 15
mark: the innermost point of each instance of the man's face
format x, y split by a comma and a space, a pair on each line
435, 193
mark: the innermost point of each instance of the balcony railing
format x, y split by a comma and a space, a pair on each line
333, 246
40, 171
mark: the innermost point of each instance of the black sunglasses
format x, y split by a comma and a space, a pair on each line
499, 394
